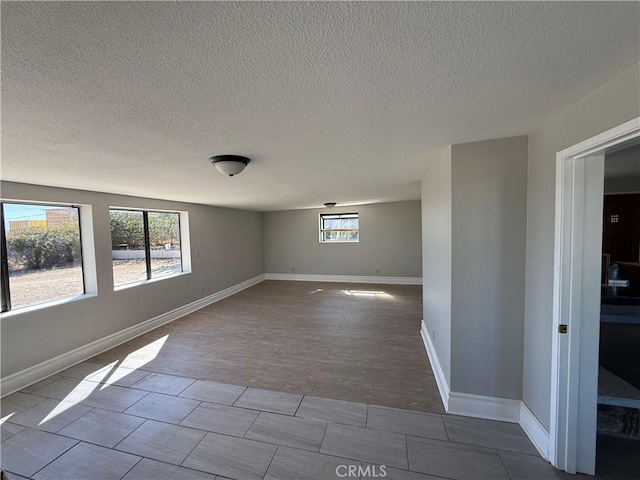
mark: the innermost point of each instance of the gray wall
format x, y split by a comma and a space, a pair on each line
231, 251
489, 202
390, 242
609, 106
474, 213
436, 258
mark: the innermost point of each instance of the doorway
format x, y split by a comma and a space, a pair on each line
618, 440
577, 292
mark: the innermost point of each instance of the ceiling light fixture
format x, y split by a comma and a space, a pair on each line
230, 164
330, 205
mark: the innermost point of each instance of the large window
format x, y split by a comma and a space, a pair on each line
339, 227
41, 254
144, 245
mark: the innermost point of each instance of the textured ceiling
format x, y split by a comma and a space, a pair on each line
344, 102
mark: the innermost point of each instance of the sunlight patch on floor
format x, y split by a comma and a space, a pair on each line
79, 393
6, 417
136, 359
105, 376
367, 293
144, 355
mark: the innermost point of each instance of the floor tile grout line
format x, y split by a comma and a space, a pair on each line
474, 445
127, 408
13, 434
326, 427
82, 402
91, 409
534, 455
446, 430
133, 466
295, 414
406, 446
267, 442
206, 432
166, 375
275, 452
193, 449
353, 459
170, 464
318, 453
503, 465
53, 460
128, 435
93, 443
244, 435
190, 411
366, 417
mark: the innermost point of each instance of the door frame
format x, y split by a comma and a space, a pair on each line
573, 426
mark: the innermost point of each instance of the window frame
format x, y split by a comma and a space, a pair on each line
184, 263
4, 267
321, 229
5, 283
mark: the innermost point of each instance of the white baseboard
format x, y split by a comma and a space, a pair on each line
441, 380
504, 410
483, 406
33, 374
534, 430
304, 277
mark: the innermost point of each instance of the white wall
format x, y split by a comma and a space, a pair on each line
610, 105
436, 258
489, 199
390, 242
231, 251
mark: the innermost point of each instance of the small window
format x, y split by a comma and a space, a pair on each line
339, 227
41, 254
144, 245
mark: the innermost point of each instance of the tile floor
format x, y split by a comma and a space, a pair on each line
71, 428
282, 381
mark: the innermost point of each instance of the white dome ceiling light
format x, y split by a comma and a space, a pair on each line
230, 164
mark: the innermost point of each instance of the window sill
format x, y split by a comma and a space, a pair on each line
339, 241
41, 306
127, 286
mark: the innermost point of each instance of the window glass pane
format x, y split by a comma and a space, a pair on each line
349, 223
339, 228
329, 236
127, 247
43, 253
331, 224
340, 236
164, 239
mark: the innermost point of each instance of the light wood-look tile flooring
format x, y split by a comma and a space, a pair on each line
344, 341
